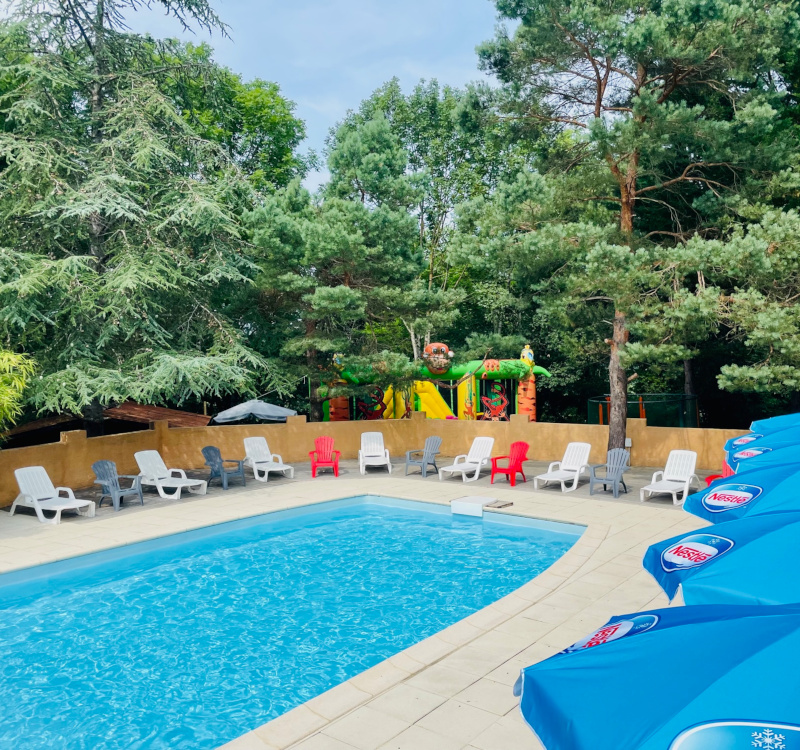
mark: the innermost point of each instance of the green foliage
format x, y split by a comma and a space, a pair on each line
333, 273
15, 372
121, 223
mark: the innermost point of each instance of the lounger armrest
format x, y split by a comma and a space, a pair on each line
312, 455
411, 453
485, 460
178, 473
553, 466
69, 493
386, 453
277, 458
462, 456
658, 476
583, 468
236, 461
336, 454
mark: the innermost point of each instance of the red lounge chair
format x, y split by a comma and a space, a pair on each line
519, 453
324, 455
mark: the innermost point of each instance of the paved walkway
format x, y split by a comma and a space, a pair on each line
451, 691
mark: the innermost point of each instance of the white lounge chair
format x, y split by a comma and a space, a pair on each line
373, 452
261, 461
568, 469
677, 476
36, 491
479, 455
154, 473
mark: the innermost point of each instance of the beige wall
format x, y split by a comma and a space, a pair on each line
69, 462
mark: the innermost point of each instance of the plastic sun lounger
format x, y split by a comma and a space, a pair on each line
373, 452
262, 461
568, 469
677, 477
37, 491
469, 465
154, 473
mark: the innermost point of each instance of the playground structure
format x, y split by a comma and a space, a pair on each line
479, 389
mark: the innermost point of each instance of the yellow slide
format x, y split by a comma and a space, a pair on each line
431, 401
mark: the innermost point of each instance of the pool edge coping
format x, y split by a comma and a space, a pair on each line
301, 722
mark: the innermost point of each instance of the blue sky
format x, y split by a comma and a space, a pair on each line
328, 55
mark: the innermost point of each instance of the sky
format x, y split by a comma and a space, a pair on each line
329, 55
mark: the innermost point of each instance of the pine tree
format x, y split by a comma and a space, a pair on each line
652, 100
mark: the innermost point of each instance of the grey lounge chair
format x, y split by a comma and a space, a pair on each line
216, 463
425, 457
108, 479
618, 461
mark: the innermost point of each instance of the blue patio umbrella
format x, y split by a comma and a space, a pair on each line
765, 444
708, 677
744, 441
748, 561
773, 424
787, 454
751, 492
761, 428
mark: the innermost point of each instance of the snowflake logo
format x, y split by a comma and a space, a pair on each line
769, 740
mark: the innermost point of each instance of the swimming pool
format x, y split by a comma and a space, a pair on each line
191, 640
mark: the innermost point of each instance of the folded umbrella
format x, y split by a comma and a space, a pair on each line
751, 492
257, 409
746, 561
707, 677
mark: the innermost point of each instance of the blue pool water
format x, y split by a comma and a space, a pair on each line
189, 641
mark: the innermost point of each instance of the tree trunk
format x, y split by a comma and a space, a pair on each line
93, 419
618, 381
315, 411
688, 377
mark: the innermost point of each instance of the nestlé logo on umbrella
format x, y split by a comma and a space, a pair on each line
694, 550
614, 631
730, 497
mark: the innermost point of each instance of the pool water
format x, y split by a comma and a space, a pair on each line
189, 641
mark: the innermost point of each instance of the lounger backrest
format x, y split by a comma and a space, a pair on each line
432, 446
323, 445
480, 449
372, 444
518, 453
575, 456
256, 449
151, 465
106, 472
213, 457
617, 461
680, 465
34, 482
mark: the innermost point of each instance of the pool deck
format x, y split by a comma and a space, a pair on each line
451, 691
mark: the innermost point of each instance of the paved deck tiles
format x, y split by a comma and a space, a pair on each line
451, 691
